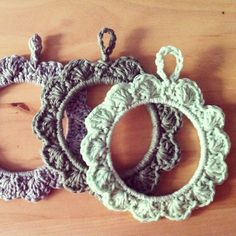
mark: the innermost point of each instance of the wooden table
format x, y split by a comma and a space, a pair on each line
205, 31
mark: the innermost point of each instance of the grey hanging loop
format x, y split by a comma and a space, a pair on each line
35, 46
106, 51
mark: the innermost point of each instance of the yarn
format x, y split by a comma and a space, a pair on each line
163, 153
36, 184
184, 95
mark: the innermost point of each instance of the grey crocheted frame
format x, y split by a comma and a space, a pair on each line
60, 94
36, 184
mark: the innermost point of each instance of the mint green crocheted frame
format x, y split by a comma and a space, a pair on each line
182, 94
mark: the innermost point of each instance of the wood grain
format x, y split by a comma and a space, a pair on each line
206, 33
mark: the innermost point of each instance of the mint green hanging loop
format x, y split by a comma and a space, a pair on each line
160, 62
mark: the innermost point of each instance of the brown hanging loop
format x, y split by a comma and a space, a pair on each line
106, 51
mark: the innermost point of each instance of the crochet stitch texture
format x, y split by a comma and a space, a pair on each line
36, 184
76, 76
184, 95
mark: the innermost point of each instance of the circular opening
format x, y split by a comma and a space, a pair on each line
171, 181
131, 139
96, 94
19, 148
188, 142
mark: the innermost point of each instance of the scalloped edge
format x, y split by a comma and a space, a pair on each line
66, 82
181, 204
20, 184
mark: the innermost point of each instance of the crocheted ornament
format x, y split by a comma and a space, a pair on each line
59, 94
184, 95
30, 185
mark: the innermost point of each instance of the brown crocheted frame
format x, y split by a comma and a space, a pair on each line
77, 75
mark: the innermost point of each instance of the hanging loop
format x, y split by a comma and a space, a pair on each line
35, 46
160, 62
106, 51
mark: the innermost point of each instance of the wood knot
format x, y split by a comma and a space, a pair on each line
20, 105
